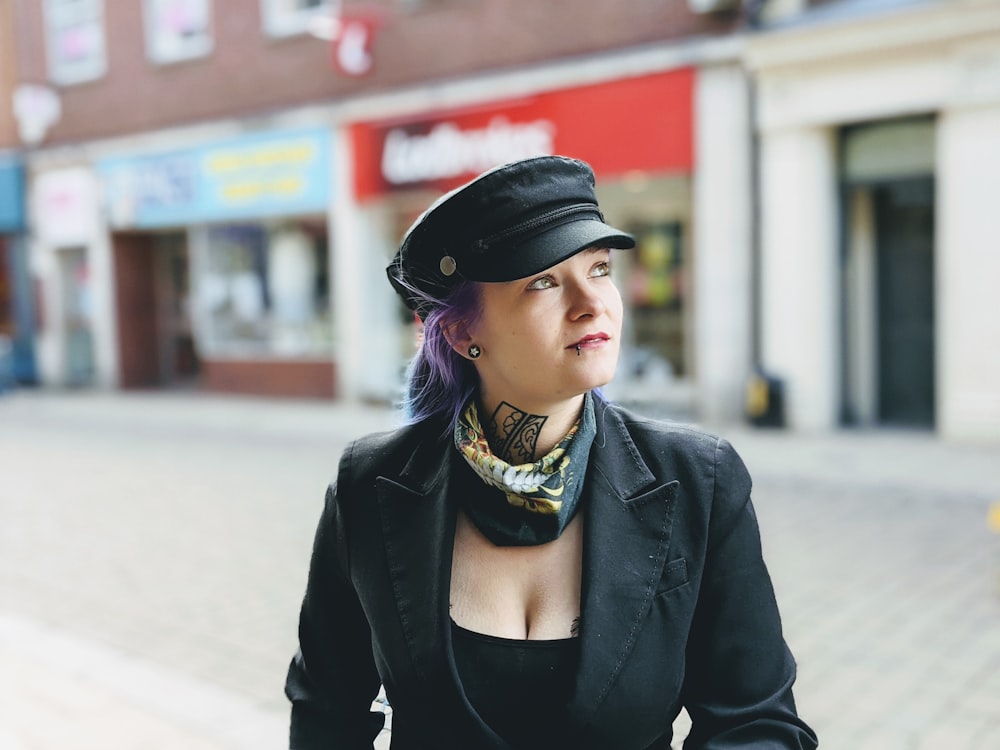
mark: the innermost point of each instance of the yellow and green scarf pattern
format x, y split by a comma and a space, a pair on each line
549, 487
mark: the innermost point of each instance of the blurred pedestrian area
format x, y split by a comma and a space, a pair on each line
154, 546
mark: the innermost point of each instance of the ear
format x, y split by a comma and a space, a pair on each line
458, 337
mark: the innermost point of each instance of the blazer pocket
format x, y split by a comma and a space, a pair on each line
675, 575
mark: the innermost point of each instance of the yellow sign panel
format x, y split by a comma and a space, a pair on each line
264, 156
993, 517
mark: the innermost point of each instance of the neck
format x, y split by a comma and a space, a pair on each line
521, 434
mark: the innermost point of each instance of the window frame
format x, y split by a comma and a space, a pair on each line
58, 18
200, 46
278, 21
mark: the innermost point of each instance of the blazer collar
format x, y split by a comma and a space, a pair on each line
627, 533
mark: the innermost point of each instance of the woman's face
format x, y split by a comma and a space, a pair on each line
550, 336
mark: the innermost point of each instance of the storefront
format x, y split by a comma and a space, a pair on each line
221, 264
70, 266
17, 362
636, 132
880, 167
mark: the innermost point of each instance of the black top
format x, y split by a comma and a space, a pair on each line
519, 688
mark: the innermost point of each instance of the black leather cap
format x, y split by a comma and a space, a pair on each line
509, 223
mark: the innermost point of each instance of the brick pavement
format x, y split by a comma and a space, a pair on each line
892, 611
153, 551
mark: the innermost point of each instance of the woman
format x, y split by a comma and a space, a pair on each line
525, 565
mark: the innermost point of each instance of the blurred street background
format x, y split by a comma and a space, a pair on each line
198, 200
154, 547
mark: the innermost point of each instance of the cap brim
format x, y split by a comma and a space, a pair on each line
551, 247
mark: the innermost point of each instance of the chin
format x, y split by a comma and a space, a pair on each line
598, 377
604, 370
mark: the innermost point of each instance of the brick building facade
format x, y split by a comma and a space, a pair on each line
195, 209
245, 69
210, 190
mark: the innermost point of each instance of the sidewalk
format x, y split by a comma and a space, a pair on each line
891, 457
61, 691
89, 663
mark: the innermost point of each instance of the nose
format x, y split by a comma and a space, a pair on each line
586, 301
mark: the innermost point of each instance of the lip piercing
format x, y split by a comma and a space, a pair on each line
578, 350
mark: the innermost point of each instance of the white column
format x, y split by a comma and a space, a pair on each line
967, 331
100, 258
367, 324
722, 278
345, 273
799, 274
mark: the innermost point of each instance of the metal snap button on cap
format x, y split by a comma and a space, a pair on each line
447, 265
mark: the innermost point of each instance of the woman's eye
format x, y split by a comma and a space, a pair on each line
542, 282
601, 269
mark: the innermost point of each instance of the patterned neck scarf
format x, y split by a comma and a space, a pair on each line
536, 500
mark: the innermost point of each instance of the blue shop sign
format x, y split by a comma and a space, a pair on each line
11, 196
273, 174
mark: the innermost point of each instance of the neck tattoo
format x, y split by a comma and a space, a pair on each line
513, 433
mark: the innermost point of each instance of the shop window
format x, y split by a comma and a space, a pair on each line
78, 315
7, 327
74, 40
287, 17
177, 29
264, 291
6, 297
656, 291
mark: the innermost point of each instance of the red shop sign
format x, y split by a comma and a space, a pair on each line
636, 123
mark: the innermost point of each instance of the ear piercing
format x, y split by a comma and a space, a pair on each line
474, 351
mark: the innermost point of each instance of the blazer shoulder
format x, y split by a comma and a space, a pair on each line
388, 453
371, 451
694, 455
678, 436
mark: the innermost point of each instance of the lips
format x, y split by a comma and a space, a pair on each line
590, 340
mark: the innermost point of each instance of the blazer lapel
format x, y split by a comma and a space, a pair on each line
629, 515
418, 525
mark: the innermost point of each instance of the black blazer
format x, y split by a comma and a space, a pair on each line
677, 605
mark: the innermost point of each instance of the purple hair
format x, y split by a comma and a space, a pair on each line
439, 381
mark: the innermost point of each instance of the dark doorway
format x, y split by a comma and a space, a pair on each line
178, 358
904, 240
134, 295
155, 342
